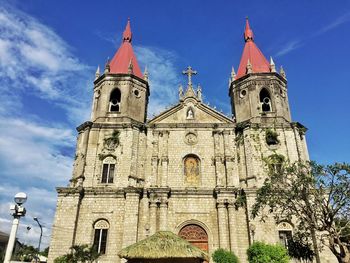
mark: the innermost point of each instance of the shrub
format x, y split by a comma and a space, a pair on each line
223, 256
260, 252
79, 254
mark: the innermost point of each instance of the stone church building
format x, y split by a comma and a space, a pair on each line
185, 170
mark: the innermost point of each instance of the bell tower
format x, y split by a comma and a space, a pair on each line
257, 90
121, 92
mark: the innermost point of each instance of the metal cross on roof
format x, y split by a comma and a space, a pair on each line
189, 72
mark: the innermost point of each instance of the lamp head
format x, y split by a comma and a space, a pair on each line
20, 198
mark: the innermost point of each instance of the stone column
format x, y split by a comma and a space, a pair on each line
164, 179
249, 151
232, 178
81, 152
163, 211
154, 161
134, 151
142, 154
219, 166
131, 216
232, 226
144, 218
152, 216
223, 227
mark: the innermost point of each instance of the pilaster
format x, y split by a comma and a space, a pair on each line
164, 159
222, 224
154, 159
134, 151
153, 216
218, 160
232, 226
163, 213
131, 216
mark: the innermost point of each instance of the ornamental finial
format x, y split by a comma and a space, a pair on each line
282, 72
233, 74
97, 74
145, 74
189, 72
272, 65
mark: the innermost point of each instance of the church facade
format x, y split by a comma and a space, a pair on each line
190, 170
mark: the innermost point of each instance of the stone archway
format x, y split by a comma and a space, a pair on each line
196, 235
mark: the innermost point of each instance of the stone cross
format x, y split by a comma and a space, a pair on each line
189, 72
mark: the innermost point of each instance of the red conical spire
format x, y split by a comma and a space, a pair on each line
248, 33
127, 35
124, 61
251, 53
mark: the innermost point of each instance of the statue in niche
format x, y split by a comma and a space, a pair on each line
189, 114
191, 164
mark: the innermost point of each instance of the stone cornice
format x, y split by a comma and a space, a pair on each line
257, 77
192, 191
120, 192
65, 191
120, 77
193, 125
123, 125
83, 126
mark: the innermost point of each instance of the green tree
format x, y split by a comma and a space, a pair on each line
300, 251
260, 252
316, 197
2, 254
25, 253
223, 256
79, 254
45, 252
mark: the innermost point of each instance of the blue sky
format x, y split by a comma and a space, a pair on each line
49, 51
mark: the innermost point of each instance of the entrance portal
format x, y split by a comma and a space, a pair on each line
196, 235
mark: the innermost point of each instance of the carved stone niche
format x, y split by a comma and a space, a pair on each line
191, 138
111, 142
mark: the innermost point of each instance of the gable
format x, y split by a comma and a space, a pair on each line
190, 112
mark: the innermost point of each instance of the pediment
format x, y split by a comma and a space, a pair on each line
190, 111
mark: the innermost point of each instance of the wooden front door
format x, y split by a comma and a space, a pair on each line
196, 235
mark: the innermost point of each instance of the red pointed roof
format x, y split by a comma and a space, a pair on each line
124, 60
252, 53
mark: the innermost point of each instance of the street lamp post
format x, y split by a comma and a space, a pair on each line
41, 235
18, 211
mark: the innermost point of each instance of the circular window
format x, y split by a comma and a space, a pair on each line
243, 93
136, 92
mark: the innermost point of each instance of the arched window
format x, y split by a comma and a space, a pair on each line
108, 170
265, 100
192, 169
114, 100
196, 235
285, 233
100, 238
275, 163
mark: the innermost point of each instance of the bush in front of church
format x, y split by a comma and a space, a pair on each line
223, 256
261, 252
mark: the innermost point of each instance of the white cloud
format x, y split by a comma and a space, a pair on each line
294, 44
40, 203
288, 47
163, 76
334, 24
36, 155
32, 151
34, 59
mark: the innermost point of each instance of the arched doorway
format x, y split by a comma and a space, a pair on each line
196, 235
